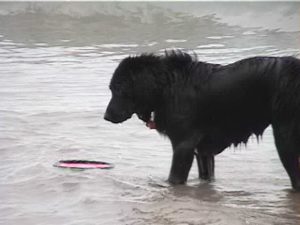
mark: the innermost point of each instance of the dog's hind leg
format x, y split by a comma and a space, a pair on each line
288, 147
206, 165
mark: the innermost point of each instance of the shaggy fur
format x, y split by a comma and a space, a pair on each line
203, 108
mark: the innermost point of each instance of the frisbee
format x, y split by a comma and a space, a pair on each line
83, 164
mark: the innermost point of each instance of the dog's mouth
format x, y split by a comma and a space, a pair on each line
151, 124
145, 116
148, 118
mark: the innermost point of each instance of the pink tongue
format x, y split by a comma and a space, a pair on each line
151, 124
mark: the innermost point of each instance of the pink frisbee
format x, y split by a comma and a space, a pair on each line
83, 164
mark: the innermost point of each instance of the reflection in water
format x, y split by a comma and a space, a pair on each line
55, 66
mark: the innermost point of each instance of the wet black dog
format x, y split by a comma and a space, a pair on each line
204, 108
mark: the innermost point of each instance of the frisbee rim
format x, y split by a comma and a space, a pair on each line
80, 161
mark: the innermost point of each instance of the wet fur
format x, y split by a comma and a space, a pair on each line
208, 107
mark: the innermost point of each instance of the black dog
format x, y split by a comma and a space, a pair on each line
204, 108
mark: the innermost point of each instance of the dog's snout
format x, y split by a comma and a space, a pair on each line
113, 117
107, 116
118, 111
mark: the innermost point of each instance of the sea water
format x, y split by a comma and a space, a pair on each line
56, 61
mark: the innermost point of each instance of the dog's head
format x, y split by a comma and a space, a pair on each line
134, 89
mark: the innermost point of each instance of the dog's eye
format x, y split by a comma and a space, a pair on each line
122, 95
127, 95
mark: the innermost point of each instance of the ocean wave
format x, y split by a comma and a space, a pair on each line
283, 16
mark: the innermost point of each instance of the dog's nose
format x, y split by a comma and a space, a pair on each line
112, 117
107, 116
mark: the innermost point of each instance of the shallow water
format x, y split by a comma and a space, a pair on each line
56, 60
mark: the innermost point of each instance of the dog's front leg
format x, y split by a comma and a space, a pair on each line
183, 155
